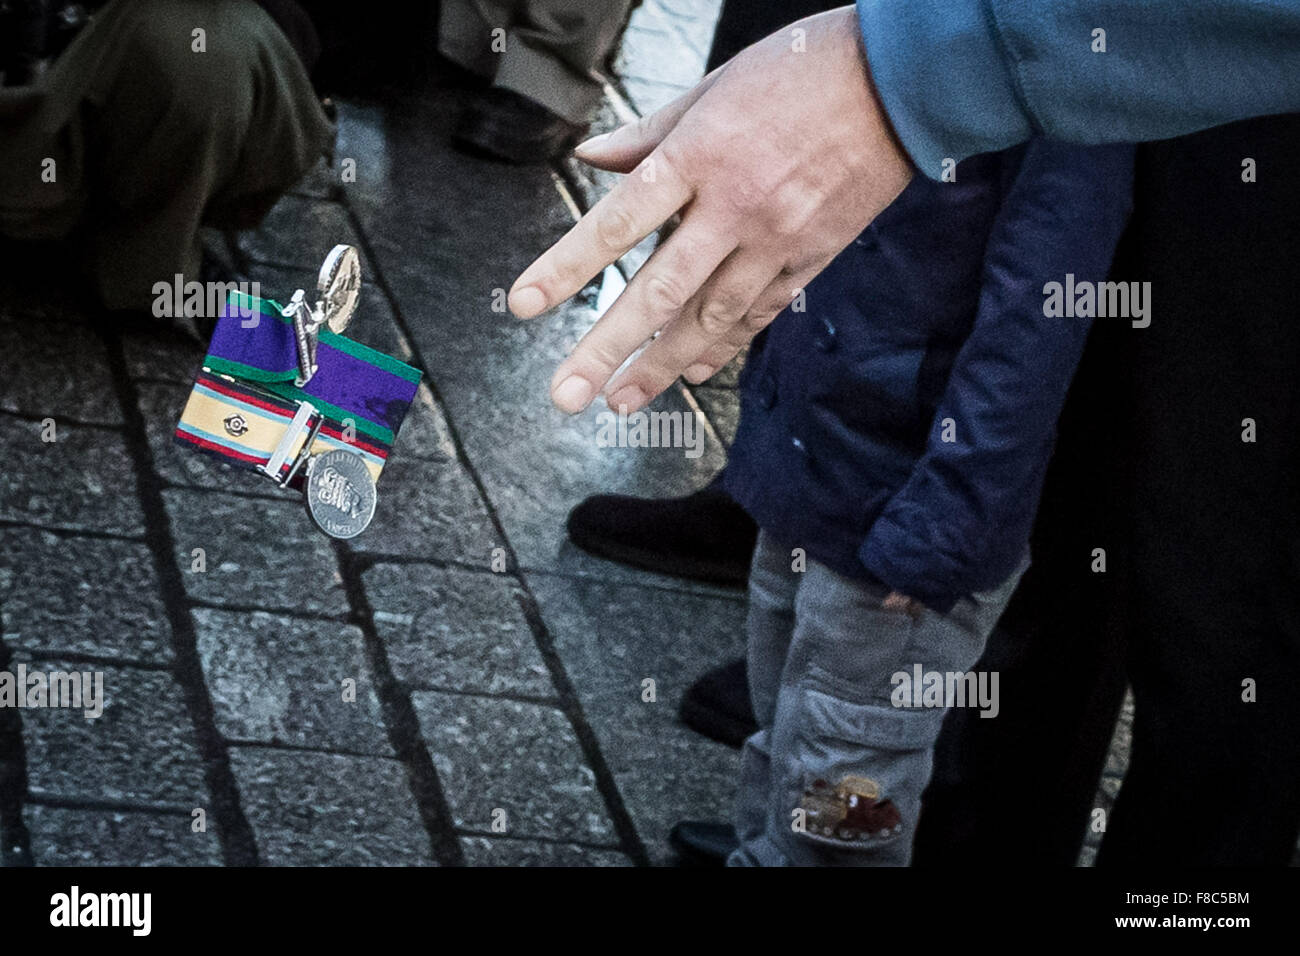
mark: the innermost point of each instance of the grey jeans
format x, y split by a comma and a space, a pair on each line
834, 775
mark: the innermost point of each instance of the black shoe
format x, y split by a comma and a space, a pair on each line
504, 125
703, 843
705, 536
717, 705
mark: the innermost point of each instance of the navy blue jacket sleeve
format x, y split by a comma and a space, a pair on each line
962, 520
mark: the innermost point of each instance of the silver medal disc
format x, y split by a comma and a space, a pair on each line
340, 493
339, 285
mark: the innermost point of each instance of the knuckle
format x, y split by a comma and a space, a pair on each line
798, 209
672, 159
774, 301
714, 321
756, 322
665, 294
616, 228
719, 314
747, 194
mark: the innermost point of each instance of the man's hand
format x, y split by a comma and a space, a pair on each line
776, 161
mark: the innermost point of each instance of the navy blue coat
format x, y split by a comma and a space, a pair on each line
931, 326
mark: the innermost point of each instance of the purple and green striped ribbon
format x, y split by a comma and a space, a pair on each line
352, 381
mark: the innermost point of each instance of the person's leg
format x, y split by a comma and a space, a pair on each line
544, 93
847, 764
465, 32
170, 137
769, 627
552, 48
1214, 776
1059, 650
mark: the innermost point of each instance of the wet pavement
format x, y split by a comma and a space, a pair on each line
499, 714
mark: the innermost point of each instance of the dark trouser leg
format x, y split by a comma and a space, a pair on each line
1213, 582
1019, 787
236, 126
1214, 778
160, 137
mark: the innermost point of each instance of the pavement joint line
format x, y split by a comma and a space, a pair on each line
287, 266
719, 591
373, 559
72, 532
551, 703
78, 531
571, 704
619, 101
345, 617
173, 384
402, 724
243, 743
62, 801
25, 654
238, 843
561, 180
36, 418
689, 397
539, 838
268, 495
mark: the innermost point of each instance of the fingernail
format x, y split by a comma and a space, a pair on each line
573, 394
629, 397
527, 302
591, 143
698, 373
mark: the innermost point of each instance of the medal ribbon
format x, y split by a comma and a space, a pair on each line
255, 342
243, 424
244, 399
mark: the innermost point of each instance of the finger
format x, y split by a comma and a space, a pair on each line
619, 151
718, 313
774, 300
629, 212
653, 299
717, 357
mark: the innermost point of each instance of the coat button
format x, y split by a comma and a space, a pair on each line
799, 446
825, 337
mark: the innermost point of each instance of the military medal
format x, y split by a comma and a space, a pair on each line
340, 494
339, 285
292, 398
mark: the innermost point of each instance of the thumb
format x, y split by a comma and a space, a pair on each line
620, 151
